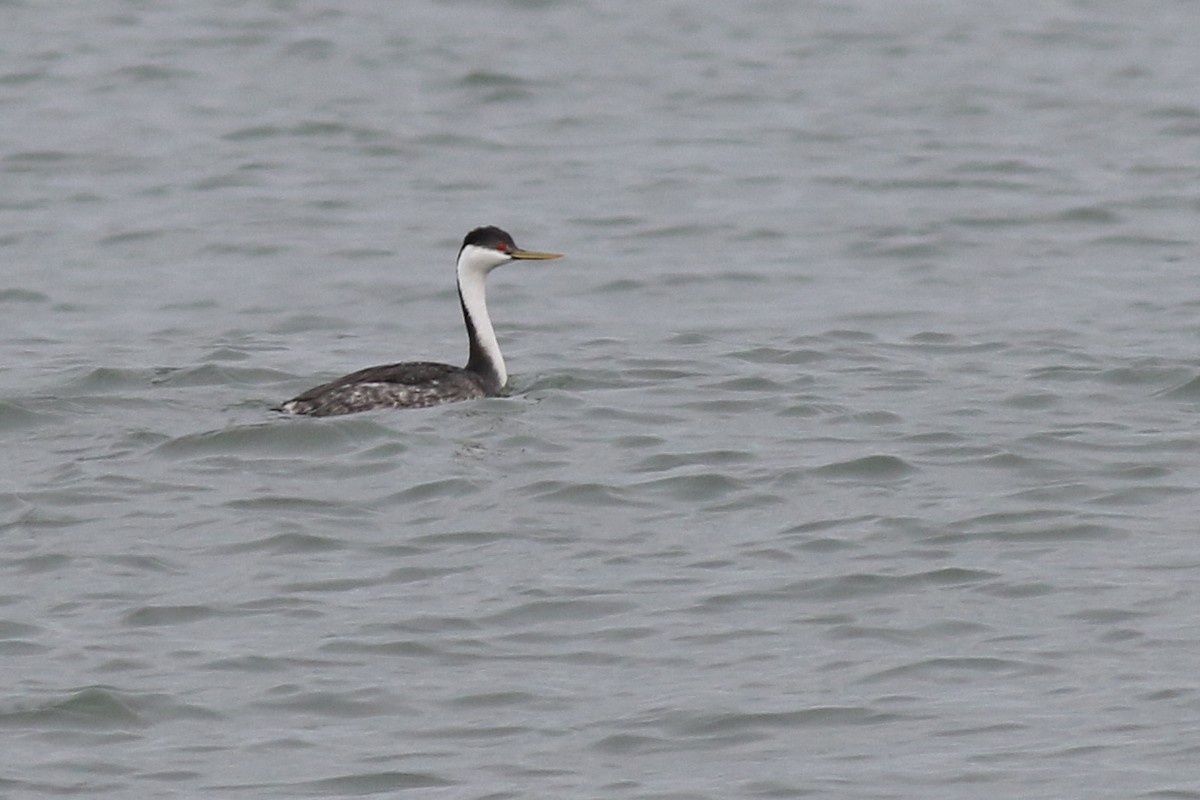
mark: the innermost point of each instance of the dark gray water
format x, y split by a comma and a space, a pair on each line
852, 451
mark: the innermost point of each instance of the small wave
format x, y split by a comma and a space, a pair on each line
876, 467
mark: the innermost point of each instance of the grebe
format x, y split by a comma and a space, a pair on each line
419, 384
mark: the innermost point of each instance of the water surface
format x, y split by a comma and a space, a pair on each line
852, 451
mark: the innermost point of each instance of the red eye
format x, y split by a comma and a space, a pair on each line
502, 247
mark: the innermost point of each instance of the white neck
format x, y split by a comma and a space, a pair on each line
474, 263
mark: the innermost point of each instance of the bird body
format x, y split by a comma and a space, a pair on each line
420, 384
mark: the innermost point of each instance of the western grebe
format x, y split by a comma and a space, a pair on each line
421, 383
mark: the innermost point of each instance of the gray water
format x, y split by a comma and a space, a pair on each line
851, 452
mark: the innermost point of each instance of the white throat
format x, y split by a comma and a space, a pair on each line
474, 263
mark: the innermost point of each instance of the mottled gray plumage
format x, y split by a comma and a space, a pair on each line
422, 383
409, 385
